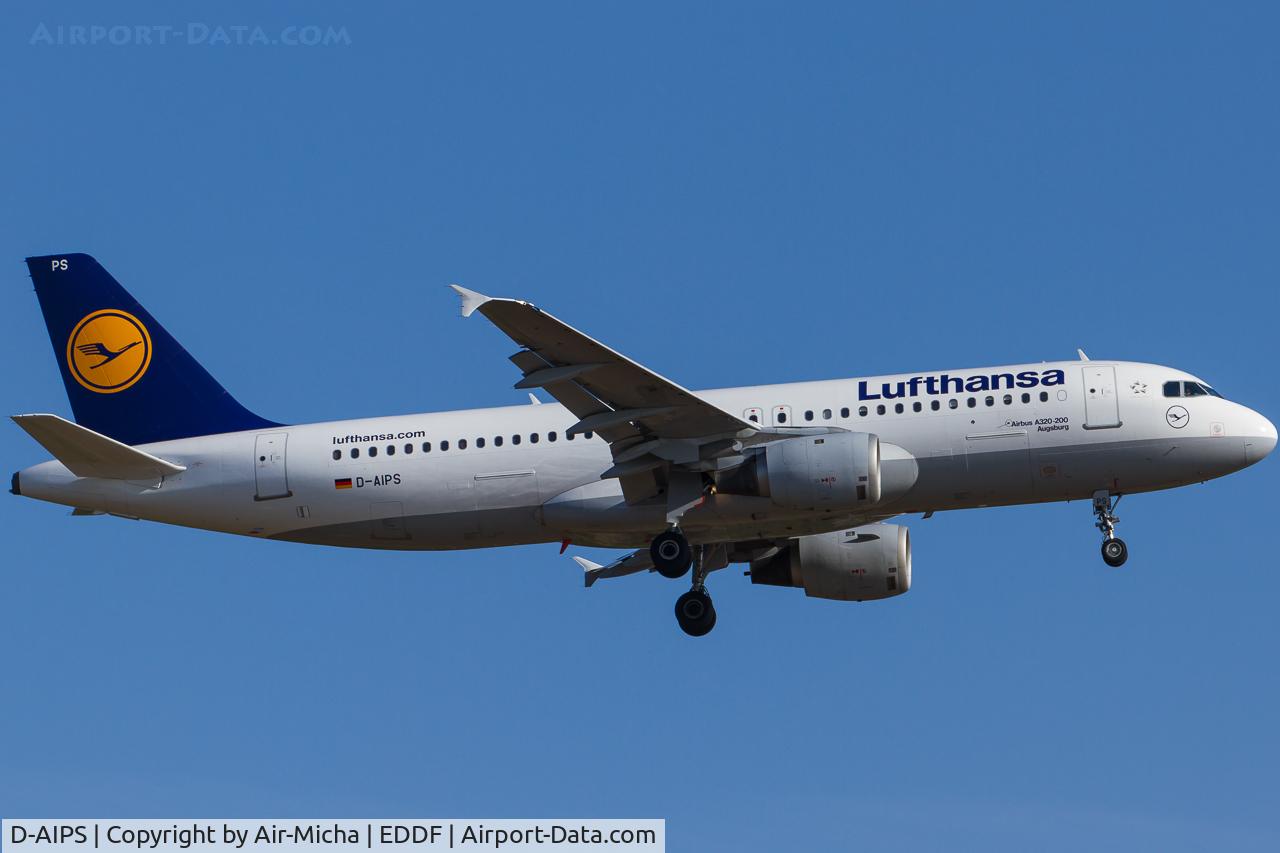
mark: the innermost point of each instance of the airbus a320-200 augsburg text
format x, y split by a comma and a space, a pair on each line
796, 480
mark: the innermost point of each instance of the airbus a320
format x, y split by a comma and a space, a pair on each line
798, 481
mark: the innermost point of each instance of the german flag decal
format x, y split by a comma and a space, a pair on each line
342, 484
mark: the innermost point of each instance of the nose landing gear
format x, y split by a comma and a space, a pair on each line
1114, 551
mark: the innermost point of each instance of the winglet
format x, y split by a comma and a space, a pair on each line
470, 299
590, 570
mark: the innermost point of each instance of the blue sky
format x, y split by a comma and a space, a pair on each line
731, 194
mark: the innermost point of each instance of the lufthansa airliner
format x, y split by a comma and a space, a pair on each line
797, 481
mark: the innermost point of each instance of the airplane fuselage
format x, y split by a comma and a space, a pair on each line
503, 476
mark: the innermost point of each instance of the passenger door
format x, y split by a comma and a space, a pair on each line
1101, 402
271, 474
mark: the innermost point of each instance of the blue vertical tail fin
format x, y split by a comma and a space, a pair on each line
126, 376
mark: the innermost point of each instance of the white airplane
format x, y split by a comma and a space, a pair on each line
796, 480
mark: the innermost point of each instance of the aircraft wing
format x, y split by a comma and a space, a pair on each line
651, 423
619, 391
661, 434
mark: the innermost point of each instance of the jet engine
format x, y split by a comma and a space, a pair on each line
840, 470
863, 564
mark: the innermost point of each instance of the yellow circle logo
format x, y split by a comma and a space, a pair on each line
108, 351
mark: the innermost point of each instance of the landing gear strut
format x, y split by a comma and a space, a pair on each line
694, 610
671, 554
1114, 551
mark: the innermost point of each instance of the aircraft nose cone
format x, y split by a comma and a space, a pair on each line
1262, 439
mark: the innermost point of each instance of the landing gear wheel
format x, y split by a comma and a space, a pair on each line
695, 613
1115, 552
671, 554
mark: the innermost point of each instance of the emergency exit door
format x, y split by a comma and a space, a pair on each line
270, 467
1101, 403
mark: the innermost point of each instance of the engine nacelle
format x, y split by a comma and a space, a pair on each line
838, 470
863, 564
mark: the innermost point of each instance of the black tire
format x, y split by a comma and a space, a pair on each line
1114, 552
671, 554
695, 613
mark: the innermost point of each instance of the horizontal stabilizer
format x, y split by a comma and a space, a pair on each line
638, 561
90, 454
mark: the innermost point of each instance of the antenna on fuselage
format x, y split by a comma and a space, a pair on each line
1080, 353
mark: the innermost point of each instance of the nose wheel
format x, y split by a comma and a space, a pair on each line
1114, 551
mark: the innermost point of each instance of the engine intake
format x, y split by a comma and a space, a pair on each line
863, 564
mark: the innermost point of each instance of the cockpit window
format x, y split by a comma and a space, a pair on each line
1189, 389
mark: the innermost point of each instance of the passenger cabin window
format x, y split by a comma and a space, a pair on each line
444, 446
355, 453
462, 444
953, 403
408, 448
915, 407
1044, 396
497, 441
426, 447
782, 417
337, 454
533, 438
391, 450
480, 442
515, 439
973, 402
844, 413
373, 451
897, 407
808, 415
862, 411
551, 436
1026, 398
935, 405
880, 409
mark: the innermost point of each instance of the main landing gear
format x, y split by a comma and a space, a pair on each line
1114, 551
671, 553
672, 556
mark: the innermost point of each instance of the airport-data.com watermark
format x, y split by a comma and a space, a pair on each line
190, 34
